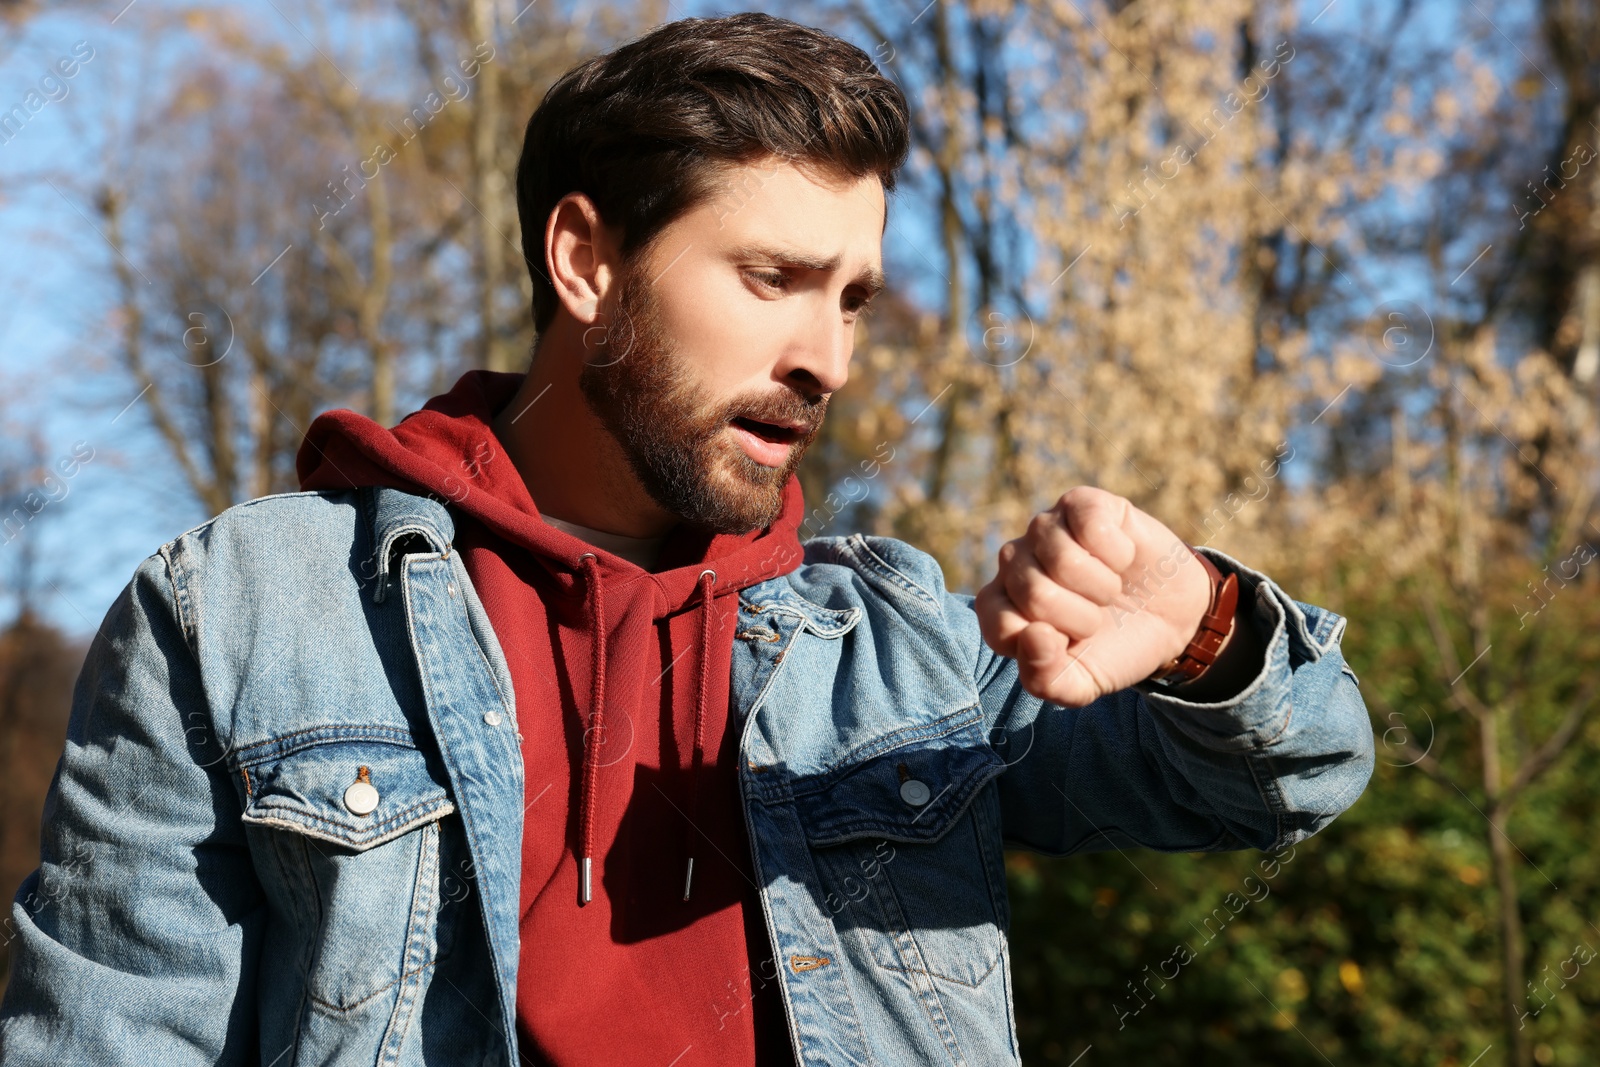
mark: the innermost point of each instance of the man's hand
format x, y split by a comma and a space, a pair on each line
1092, 599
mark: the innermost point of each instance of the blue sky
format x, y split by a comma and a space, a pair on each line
54, 352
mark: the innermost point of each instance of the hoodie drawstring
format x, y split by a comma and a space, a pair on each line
591, 745
708, 578
592, 739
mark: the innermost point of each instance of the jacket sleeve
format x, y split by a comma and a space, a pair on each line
136, 939
1266, 768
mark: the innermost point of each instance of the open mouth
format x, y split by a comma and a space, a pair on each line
780, 435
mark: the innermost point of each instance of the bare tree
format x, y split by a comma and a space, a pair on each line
287, 242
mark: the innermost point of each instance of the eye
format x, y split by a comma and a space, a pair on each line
771, 279
862, 308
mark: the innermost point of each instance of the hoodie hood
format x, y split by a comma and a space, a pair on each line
448, 449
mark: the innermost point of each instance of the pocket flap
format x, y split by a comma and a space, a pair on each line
912, 791
307, 789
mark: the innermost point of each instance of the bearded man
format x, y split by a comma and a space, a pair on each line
531, 732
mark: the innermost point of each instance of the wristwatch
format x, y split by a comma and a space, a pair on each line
1216, 625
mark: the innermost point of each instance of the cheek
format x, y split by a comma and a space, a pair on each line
729, 338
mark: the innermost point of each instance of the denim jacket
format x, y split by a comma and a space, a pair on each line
215, 888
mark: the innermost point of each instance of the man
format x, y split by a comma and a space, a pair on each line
530, 731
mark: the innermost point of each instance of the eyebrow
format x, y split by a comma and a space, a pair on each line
869, 277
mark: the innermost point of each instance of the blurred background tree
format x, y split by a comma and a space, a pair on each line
1318, 285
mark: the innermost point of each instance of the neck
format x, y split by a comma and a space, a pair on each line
573, 468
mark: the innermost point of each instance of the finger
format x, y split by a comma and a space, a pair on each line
1040, 647
998, 620
1069, 563
1040, 598
1098, 521
1048, 667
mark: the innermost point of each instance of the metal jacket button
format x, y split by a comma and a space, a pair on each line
492, 718
361, 797
914, 792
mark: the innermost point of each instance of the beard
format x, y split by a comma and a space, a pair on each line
677, 439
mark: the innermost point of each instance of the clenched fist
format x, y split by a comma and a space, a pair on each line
1092, 599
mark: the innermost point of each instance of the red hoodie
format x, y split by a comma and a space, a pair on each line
621, 678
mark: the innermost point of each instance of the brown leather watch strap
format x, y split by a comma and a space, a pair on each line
1215, 627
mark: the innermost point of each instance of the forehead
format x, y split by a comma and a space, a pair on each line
801, 206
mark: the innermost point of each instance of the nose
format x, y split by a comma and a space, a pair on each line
821, 363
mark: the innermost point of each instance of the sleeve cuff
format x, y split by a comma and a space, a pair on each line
1259, 712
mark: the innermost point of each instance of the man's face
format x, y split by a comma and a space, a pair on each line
728, 337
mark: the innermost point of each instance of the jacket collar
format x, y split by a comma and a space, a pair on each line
777, 596
393, 516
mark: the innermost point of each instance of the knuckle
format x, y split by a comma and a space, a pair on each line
1077, 494
1048, 535
1081, 498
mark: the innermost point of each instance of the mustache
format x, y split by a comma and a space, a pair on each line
784, 409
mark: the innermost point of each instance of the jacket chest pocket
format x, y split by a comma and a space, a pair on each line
907, 849
356, 847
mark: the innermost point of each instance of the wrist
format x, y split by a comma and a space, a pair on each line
1218, 623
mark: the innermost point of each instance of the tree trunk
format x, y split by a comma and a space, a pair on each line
1518, 1051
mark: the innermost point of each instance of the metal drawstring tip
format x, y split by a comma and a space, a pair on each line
584, 895
688, 876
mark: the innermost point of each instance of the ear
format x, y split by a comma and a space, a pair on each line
582, 253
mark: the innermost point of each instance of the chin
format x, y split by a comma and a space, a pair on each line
732, 502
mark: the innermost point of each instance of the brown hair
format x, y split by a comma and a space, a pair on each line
644, 129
